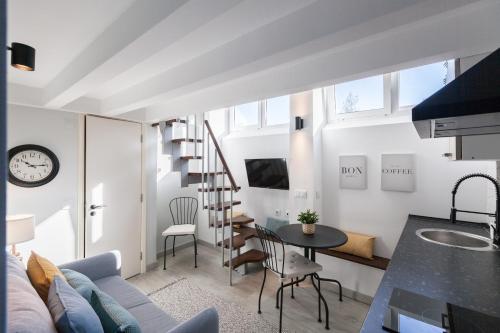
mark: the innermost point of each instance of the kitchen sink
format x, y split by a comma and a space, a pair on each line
453, 238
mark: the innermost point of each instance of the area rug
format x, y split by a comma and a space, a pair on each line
182, 300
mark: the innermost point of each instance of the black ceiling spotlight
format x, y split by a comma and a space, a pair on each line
23, 56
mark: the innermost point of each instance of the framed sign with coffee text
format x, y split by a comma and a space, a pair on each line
398, 172
352, 172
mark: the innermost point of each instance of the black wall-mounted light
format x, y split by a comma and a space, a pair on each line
299, 123
22, 57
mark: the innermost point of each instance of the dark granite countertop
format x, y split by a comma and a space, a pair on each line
470, 279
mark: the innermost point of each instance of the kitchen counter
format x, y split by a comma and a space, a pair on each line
462, 277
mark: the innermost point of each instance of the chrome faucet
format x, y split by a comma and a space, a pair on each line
494, 229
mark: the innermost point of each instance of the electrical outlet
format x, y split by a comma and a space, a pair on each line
277, 212
287, 213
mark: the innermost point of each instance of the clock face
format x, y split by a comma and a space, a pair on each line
32, 165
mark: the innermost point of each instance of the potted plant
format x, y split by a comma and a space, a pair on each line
308, 220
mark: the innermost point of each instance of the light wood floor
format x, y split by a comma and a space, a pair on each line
299, 314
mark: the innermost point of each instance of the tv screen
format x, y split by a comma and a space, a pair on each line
267, 173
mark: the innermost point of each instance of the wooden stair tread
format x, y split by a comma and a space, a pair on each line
249, 256
184, 140
243, 219
246, 232
191, 158
223, 206
170, 122
238, 241
206, 173
218, 189
376, 262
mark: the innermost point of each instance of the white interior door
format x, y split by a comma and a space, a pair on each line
113, 190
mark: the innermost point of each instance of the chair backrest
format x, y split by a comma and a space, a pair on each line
184, 210
269, 240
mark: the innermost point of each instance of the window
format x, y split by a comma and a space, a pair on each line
218, 121
418, 83
246, 115
360, 95
278, 110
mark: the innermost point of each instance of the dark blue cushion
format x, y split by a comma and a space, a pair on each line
70, 311
80, 283
114, 318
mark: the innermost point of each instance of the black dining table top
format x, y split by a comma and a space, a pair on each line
324, 236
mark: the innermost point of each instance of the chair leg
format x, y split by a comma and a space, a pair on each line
195, 252
337, 282
262, 288
327, 326
173, 248
281, 307
278, 298
292, 288
165, 254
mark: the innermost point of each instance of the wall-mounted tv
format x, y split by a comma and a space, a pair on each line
267, 173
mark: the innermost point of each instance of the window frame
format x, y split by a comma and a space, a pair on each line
262, 118
264, 114
396, 85
386, 110
232, 120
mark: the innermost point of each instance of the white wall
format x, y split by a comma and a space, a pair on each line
258, 203
54, 204
382, 213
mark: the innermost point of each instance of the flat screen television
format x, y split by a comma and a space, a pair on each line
267, 173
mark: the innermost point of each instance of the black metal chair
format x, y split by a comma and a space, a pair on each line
289, 266
183, 211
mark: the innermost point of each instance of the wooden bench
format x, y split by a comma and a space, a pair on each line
376, 262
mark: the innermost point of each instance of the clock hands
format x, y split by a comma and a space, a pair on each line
29, 164
33, 165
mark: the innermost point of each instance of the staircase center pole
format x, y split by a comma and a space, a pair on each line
224, 212
216, 196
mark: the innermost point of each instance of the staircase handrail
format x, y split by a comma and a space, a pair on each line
221, 157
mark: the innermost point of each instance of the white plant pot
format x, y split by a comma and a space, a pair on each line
308, 229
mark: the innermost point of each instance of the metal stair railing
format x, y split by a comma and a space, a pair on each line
216, 196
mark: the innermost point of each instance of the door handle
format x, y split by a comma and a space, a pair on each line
97, 206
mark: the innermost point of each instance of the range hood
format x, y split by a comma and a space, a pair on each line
469, 105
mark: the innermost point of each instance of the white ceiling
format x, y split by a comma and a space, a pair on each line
59, 30
158, 59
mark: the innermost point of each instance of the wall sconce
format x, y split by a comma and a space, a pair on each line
23, 56
299, 123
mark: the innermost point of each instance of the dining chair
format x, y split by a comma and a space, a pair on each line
287, 266
183, 211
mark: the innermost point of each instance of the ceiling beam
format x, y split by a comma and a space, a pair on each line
262, 50
238, 20
143, 29
462, 32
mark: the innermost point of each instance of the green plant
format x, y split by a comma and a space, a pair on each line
308, 217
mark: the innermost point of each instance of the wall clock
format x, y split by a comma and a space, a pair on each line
32, 165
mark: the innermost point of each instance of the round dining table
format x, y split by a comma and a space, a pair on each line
323, 238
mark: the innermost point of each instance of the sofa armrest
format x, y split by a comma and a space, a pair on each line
207, 321
97, 267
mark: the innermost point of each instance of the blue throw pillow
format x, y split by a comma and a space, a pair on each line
114, 318
70, 311
81, 283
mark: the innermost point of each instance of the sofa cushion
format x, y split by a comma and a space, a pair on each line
114, 318
358, 244
152, 319
80, 283
25, 307
123, 292
41, 273
70, 311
